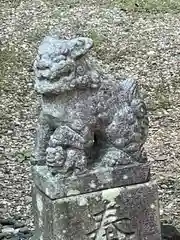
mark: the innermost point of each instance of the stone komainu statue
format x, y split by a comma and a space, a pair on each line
88, 119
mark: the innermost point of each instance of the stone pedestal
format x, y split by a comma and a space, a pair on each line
96, 206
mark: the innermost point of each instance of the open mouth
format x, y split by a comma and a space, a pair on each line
56, 76
58, 70
63, 71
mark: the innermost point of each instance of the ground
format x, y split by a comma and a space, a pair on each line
138, 39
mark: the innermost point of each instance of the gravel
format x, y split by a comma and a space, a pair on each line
141, 45
14, 229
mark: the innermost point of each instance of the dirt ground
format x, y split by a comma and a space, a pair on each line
144, 45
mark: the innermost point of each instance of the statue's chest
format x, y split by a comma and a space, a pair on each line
68, 107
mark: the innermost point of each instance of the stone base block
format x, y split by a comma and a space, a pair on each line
122, 213
58, 186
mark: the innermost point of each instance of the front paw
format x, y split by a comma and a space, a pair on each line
55, 156
76, 162
114, 157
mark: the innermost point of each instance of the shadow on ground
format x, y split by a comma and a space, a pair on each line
169, 232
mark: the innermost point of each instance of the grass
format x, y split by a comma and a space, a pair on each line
162, 97
129, 5
13, 59
37, 35
7, 58
97, 39
149, 5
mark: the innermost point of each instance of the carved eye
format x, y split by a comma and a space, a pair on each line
59, 58
80, 70
142, 110
79, 43
64, 51
139, 108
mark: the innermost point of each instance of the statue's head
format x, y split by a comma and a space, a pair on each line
57, 58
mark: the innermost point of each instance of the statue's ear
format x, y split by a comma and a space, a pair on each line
80, 46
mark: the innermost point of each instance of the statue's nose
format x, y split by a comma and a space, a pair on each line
42, 67
43, 63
